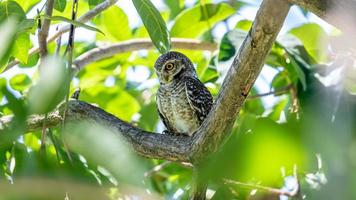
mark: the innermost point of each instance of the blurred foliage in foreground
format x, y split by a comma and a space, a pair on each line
309, 122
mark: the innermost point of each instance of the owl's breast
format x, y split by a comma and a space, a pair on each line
178, 113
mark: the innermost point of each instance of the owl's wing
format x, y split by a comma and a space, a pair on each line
199, 97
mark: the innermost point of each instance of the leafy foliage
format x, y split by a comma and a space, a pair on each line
300, 112
154, 24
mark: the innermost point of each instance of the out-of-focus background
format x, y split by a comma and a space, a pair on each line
300, 115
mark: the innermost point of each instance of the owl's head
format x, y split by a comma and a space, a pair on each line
173, 65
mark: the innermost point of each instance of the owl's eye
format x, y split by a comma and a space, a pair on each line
169, 66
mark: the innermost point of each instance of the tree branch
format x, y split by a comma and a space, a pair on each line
84, 18
275, 92
44, 28
137, 44
147, 144
263, 188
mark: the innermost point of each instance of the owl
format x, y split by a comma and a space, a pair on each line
182, 100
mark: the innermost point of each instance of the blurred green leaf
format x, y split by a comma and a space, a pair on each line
21, 47
117, 29
31, 62
314, 38
7, 34
27, 5
277, 109
193, 22
11, 9
299, 71
74, 22
154, 23
175, 7
111, 152
149, 117
244, 24
20, 82
51, 88
230, 44
27, 25
280, 80
60, 5
93, 3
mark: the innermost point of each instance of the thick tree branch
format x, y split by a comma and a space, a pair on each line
84, 18
137, 44
44, 28
147, 144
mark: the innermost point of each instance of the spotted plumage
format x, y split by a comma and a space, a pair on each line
183, 101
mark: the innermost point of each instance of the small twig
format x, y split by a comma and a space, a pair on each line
69, 49
260, 187
157, 168
297, 190
276, 92
58, 44
44, 28
295, 102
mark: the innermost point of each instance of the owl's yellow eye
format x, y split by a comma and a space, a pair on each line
169, 66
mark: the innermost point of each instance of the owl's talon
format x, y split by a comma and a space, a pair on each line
167, 132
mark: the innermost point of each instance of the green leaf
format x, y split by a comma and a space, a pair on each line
299, 71
50, 88
20, 82
280, 80
195, 21
60, 5
31, 62
21, 47
119, 102
230, 44
314, 38
175, 7
7, 35
154, 24
27, 5
75, 23
244, 24
11, 9
118, 29
27, 25
93, 3
277, 109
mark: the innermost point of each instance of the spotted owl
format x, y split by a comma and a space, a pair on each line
183, 101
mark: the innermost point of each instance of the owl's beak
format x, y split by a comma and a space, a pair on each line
166, 78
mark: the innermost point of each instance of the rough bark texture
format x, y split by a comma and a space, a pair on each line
147, 144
